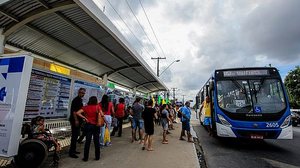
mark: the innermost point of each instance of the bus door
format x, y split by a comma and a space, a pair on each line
212, 98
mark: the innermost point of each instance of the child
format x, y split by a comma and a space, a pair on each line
39, 132
165, 119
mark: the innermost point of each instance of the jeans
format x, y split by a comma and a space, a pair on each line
92, 131
118, 128
75, 133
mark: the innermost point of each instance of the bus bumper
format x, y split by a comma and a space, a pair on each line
286, 133
225, 131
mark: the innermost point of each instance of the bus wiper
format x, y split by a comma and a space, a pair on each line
245, 109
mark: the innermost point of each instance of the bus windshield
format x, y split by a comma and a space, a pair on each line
251, 96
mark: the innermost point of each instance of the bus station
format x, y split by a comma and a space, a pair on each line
49, 49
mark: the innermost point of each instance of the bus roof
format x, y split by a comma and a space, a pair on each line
243, 68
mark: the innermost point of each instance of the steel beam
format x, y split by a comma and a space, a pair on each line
38, 13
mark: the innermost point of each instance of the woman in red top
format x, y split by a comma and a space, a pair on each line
91, 111
108, 110
120, 113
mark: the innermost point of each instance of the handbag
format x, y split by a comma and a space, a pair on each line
106, 136
100, 119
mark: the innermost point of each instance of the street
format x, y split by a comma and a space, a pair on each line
236, 153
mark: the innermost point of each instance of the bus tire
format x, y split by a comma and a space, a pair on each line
32, 153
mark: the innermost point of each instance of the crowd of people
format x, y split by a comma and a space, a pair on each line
142, 116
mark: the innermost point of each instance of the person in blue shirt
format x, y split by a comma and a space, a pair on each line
185, 119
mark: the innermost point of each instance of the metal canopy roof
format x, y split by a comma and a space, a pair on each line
77, 34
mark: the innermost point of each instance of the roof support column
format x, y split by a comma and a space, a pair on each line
2, 42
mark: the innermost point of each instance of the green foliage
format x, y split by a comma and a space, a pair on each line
292, 84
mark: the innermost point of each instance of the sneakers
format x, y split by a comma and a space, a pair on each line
108, 144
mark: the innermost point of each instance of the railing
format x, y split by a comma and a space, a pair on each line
59, 128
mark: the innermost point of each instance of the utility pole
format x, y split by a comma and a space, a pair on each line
183, 99
174, 89
158, 58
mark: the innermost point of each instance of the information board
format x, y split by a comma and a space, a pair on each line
91, 90
48, 95
14, 80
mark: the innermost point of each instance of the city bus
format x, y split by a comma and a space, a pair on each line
247, 103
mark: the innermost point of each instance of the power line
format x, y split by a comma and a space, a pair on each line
152, 29
128, 27
142, 27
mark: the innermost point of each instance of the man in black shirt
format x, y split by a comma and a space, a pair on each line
75, 122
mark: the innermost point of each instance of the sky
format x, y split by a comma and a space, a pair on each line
207, 35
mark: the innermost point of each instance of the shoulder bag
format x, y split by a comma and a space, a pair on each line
100, 118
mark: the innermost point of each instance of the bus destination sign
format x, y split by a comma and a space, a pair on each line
258, 72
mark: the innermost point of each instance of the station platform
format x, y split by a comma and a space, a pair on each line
124, 154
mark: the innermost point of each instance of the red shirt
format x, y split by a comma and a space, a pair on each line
120, 112
109, 108
91, 113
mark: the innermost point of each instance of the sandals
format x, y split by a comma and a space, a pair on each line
165, 142
190, 141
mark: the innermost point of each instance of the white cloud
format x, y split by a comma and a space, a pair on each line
206, 35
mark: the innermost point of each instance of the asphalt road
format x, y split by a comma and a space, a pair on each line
235, 153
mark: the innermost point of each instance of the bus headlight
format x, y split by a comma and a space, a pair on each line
224, 121
286, 122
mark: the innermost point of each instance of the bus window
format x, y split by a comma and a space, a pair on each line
233, 95
269, 97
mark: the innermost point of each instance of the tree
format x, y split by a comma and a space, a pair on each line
292, 84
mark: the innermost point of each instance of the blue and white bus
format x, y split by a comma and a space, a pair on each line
248, 103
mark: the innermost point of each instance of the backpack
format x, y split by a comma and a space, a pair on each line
179, 114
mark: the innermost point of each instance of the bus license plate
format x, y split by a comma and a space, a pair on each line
257, 136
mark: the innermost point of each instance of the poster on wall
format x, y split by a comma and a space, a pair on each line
91, 90
48, 95
14, 80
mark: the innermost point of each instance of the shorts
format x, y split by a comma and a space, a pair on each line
207, 121
164, 124
186, 125
137, 123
